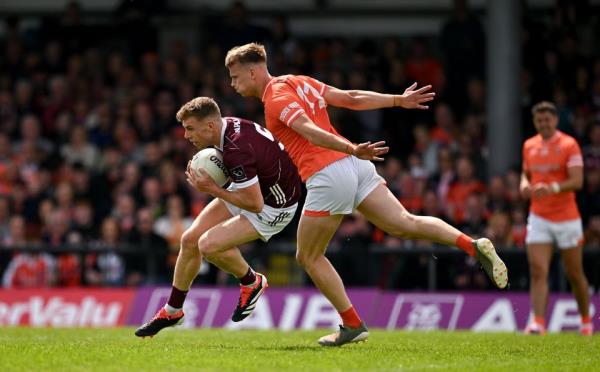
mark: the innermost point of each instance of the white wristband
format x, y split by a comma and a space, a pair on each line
555, 187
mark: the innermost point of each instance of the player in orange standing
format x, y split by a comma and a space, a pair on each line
552, 171
339, 176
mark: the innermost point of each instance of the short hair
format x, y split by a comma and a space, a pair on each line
248, 53
199, 107
544, 106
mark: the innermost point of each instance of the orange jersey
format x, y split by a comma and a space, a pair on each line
547, 162
286, 98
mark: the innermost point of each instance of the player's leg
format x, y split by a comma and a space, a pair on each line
330, 195
573, 261
219, 246
539, 256
384, 210
314, 234
186, 268
189, 258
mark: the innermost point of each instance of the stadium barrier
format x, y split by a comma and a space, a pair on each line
437, 257
286, 309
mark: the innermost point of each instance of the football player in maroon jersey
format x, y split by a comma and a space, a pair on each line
260, 201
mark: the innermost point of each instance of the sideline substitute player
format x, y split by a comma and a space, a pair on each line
338, 179
552, 171
259, 203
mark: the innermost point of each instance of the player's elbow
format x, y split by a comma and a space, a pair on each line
256, 206
579, 184
350, 99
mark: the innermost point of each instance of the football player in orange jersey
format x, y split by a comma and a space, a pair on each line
339, 175
552, 172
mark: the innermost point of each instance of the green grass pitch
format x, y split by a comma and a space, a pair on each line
43, 349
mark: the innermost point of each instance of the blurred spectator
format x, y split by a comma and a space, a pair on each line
422, 67
444, 130
411, 195
592, 232
499, 230
426, 149
151, 248
55, 232
152, 196
465, 184
83, 221
172, 225
591, 152
79, 150
31, 135
27, 269
124, 212
497, 200
106, 268
474, 216
519, 227
441, 181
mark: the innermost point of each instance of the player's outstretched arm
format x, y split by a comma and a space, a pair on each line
319, 137
248, 198
412, 98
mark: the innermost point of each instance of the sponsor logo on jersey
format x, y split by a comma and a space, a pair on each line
287, 109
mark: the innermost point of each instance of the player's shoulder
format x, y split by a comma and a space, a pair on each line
566, 140
291, 81
237, 121
532, 141
235, 130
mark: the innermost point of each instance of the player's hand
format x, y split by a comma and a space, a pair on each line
200, 180
540, 190
525, 190
370, 151
415, 98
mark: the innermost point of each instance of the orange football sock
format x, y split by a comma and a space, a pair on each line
540, 320
586, 319
350, 318
465, 243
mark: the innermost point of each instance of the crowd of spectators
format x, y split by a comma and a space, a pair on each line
91, 154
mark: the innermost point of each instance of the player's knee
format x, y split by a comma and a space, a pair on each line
305, 259
538, 272
189, 243
206, 246
574, 273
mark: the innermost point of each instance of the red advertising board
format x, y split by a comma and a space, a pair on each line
73, 307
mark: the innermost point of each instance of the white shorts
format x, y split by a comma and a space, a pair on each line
567, 234
269, 221
340, 187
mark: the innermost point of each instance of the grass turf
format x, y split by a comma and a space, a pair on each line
45, 349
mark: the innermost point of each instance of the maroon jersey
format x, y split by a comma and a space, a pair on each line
251, 154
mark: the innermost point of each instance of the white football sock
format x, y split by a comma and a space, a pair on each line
171, 310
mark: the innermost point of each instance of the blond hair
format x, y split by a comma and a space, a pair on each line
199, 107
248, 53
